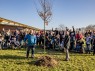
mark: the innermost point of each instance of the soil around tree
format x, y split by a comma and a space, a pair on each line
46, 61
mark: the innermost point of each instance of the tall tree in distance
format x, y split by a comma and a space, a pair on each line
45, 13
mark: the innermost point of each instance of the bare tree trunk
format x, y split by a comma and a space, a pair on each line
45, 14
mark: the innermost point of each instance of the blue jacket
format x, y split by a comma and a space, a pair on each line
31, 39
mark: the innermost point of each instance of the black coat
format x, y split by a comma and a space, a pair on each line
67, 41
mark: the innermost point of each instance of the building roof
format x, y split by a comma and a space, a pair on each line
13, 23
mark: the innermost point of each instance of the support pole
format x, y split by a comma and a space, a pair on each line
44, 27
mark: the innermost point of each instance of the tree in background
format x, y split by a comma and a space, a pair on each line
90, 27
62, 27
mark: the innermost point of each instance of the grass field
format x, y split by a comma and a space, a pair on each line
14, 60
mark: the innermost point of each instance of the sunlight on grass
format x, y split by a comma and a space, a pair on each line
14, 60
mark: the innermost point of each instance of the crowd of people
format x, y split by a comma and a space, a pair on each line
75, 41
11, 39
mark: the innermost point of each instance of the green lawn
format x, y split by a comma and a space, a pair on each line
14, 60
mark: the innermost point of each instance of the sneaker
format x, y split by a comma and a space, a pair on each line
27, 56
66, 60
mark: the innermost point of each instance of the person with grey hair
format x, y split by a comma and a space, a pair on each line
67, 44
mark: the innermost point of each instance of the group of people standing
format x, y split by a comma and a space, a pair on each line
68, 40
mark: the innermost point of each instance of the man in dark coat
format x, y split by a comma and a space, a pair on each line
67, 44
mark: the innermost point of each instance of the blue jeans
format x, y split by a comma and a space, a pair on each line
88, 48
77, 48
28, 50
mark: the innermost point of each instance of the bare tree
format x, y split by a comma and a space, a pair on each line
90, 27
62, 27
45, 13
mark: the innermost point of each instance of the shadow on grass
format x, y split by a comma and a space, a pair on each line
79, 54
32, 62
50, 51
41, 51
11, 57
56, 53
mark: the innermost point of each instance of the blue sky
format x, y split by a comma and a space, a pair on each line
78, 13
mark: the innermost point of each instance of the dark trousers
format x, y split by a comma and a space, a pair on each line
28, 50
88, 48
71, 46
94, 50
0, 45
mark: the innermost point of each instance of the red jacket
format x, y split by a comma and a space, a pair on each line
79, 36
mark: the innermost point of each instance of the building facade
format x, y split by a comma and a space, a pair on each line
12, 25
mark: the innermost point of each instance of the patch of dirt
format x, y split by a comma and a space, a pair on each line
46, 61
